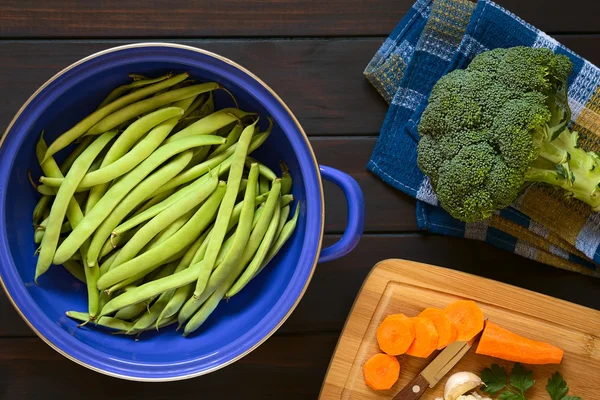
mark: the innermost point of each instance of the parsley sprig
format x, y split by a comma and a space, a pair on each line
495, 380
557, 388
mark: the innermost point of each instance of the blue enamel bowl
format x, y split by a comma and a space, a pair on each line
236, 327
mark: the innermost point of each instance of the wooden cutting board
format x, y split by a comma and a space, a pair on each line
399, 286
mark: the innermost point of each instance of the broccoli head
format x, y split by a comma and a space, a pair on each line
498, 125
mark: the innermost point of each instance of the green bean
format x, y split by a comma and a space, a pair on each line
46, 190
228, 266
222, 162
147, 186
283, 237
107, 322
169, 221
120, 189
226, 208
285, 213
160, 222
232, 138
185, 104
61, 203
263, 185
105, 266
265, 171
207, 308
198, 101
130, 312
85, 124
147, 319
175, 243
120, 160
121, 90
143, 106
286, 179
211, 123
66, 165
258, 259
75, 269
153, 201
40, 208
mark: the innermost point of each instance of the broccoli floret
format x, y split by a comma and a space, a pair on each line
499, 125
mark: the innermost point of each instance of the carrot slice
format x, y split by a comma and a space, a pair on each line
501, 343
467, 317
426, 338
446, 330
395, 334
381, 371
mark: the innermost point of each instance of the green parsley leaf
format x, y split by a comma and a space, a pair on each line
571, 398
494, 379
520, 378
557, 387
511, 396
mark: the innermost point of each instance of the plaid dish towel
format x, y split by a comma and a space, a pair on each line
435, 37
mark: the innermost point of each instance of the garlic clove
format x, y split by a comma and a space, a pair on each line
459, 384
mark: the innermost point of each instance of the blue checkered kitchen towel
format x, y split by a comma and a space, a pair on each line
435, 37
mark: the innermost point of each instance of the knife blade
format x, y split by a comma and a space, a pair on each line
436, 370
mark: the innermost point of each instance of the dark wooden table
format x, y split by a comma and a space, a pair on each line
313, 54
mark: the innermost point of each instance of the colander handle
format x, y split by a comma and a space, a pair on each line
356, 213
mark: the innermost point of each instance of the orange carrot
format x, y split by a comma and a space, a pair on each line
381, 371
467, 317
395, 334
446, 330
426, 338
500, 343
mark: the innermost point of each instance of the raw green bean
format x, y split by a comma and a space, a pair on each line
226, 208
285, 213
153, 201
120, 160
113, 167
75, 269
221, 163
132, 311
148, 318
211, 123
286, 179
198, 101
232, 138
61, 203
40, 208
169, 222
207, 308
85, 124
141, 191
143, 106
223, 271
105, 266
263, 185
258, 259
185, 104
66, 165
175, 243
283, 237
121, 90
265, 171
107, 322
46, 190
120, 189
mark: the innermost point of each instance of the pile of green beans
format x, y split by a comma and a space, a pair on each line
158, 207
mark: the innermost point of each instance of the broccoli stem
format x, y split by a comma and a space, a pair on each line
578, 173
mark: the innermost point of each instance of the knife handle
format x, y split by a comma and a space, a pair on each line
414, 390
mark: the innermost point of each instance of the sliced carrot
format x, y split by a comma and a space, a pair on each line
395, 334
467, 317
426, 338
500, 343
446, 330
381, 371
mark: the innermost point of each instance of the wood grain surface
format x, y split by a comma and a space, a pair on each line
399, 286
312, 53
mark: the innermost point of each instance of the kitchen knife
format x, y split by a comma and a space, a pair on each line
436, 370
